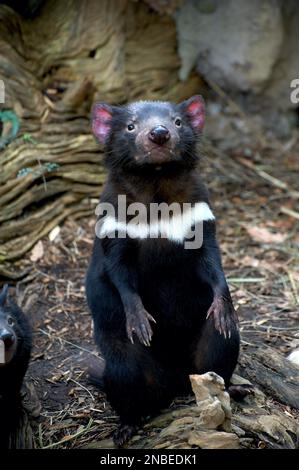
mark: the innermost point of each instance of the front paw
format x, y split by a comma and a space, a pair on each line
138, 322
224, 316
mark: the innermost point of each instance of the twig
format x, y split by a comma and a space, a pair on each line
290, 212
42, 174
271, 179
234, 107
294, 287
66, 341
245, 279
73, 436
84, 388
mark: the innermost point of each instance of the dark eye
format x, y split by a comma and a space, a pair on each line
10, 321
178, 122
131, 127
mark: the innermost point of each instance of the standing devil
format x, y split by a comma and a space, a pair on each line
161, 309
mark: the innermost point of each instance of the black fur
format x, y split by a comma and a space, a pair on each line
12, 373
128, 279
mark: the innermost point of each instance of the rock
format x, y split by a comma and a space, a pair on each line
238, 380
240, 432
277, 430
212, 424
179, 427
234, 44
101, 444
164, 419
214, 440
213, 416
164, 6
206, 425
215, 423
267, 421
212, 400
287, 67
274, 374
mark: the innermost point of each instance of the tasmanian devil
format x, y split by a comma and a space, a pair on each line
161, 306
15, 348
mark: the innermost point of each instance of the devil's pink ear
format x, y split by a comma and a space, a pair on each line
194, 107
101, 121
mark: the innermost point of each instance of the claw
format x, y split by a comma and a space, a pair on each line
130, 336
217, 323
140, 337
223, 326
223, 319
151, 318
142, 328
146, 334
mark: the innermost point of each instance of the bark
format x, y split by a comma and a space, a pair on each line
54, 66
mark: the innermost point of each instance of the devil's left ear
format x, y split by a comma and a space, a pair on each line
3, 295
194, 108
101, 116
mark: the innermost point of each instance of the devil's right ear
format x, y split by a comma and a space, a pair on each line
194, 108
101, 116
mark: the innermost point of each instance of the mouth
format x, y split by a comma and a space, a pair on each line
6, 353
157, 155
9, 355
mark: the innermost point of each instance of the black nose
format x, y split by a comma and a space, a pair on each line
7, 337
159, 135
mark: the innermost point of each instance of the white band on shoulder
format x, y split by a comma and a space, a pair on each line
175, 228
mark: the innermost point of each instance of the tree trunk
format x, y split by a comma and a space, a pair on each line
53, 66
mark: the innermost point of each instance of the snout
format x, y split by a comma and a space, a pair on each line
159, 135
7, 337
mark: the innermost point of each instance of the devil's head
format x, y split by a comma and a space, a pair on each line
149, 133
8, 336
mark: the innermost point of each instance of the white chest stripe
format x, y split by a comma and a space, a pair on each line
175, 228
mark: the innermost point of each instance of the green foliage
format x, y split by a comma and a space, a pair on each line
29, 138
12, 118
42, 170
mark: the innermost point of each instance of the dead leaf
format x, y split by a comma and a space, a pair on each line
250, 261
262, 235
295, 275
37, 252
54, 233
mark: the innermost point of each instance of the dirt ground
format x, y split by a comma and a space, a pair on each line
253, 181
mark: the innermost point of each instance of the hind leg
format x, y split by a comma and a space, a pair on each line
213, 352
217, 353
135, 384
